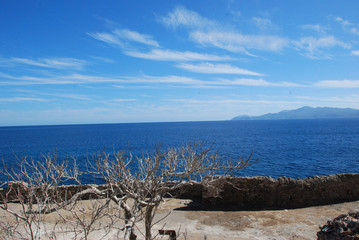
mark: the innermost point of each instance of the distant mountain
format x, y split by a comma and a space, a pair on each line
306, 113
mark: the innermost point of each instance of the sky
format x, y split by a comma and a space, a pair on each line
79, 62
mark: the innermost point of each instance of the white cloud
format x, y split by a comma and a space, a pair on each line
56, 63
136, 37
83, 79
106, 37
211, 33
70, 96
207, 83
314, 27
210, 68
338, 83
259, 83
354, 31
144, 80
355, 52
312, 46
124, 100
347, 25
55, 80
343, 22
237, 42
169, 55
228, 101
103, 59
22, 99
122, 36
169, 80
181, 16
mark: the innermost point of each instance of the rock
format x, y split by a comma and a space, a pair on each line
343, 227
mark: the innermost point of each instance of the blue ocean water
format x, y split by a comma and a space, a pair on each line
292, 148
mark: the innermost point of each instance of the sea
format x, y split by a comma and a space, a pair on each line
289, 148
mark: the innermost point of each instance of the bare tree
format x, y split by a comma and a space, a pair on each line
33, 186
146, 180
34, 190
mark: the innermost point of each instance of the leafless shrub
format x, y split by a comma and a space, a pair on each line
33, 191
88, 216
146, 180
33, 186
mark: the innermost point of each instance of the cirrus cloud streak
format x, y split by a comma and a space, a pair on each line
338, 83
210, 68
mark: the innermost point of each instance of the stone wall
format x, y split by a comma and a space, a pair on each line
254, 193
248, 193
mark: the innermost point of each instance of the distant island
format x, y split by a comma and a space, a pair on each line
306, 113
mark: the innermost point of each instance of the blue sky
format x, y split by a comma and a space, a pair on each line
70, 62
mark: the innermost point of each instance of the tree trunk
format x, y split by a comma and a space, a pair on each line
130, 222
129, 235
148, 221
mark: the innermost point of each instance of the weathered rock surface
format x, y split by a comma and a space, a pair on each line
344, 227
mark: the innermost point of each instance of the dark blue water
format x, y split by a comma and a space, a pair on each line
292, 148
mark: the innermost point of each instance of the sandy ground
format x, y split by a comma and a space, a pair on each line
268, 225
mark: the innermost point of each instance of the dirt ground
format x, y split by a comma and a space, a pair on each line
214, 225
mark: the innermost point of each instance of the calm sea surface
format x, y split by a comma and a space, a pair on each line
292, 148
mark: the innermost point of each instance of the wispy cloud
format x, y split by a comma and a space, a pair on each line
332, 99
355, 52
259, 83
314, 27
22, 99
106, 37
227, 101
124, 100
210, 33
181, 16
169, 55
207, 32
122, 36
347, 25
89, 79
147, 81
70, 96
338, 83
237, 42
354, 31
210, 68
312, 47
262, 23
103, 59
136, 37
55, 63
54, 80
343, 22
174, 80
